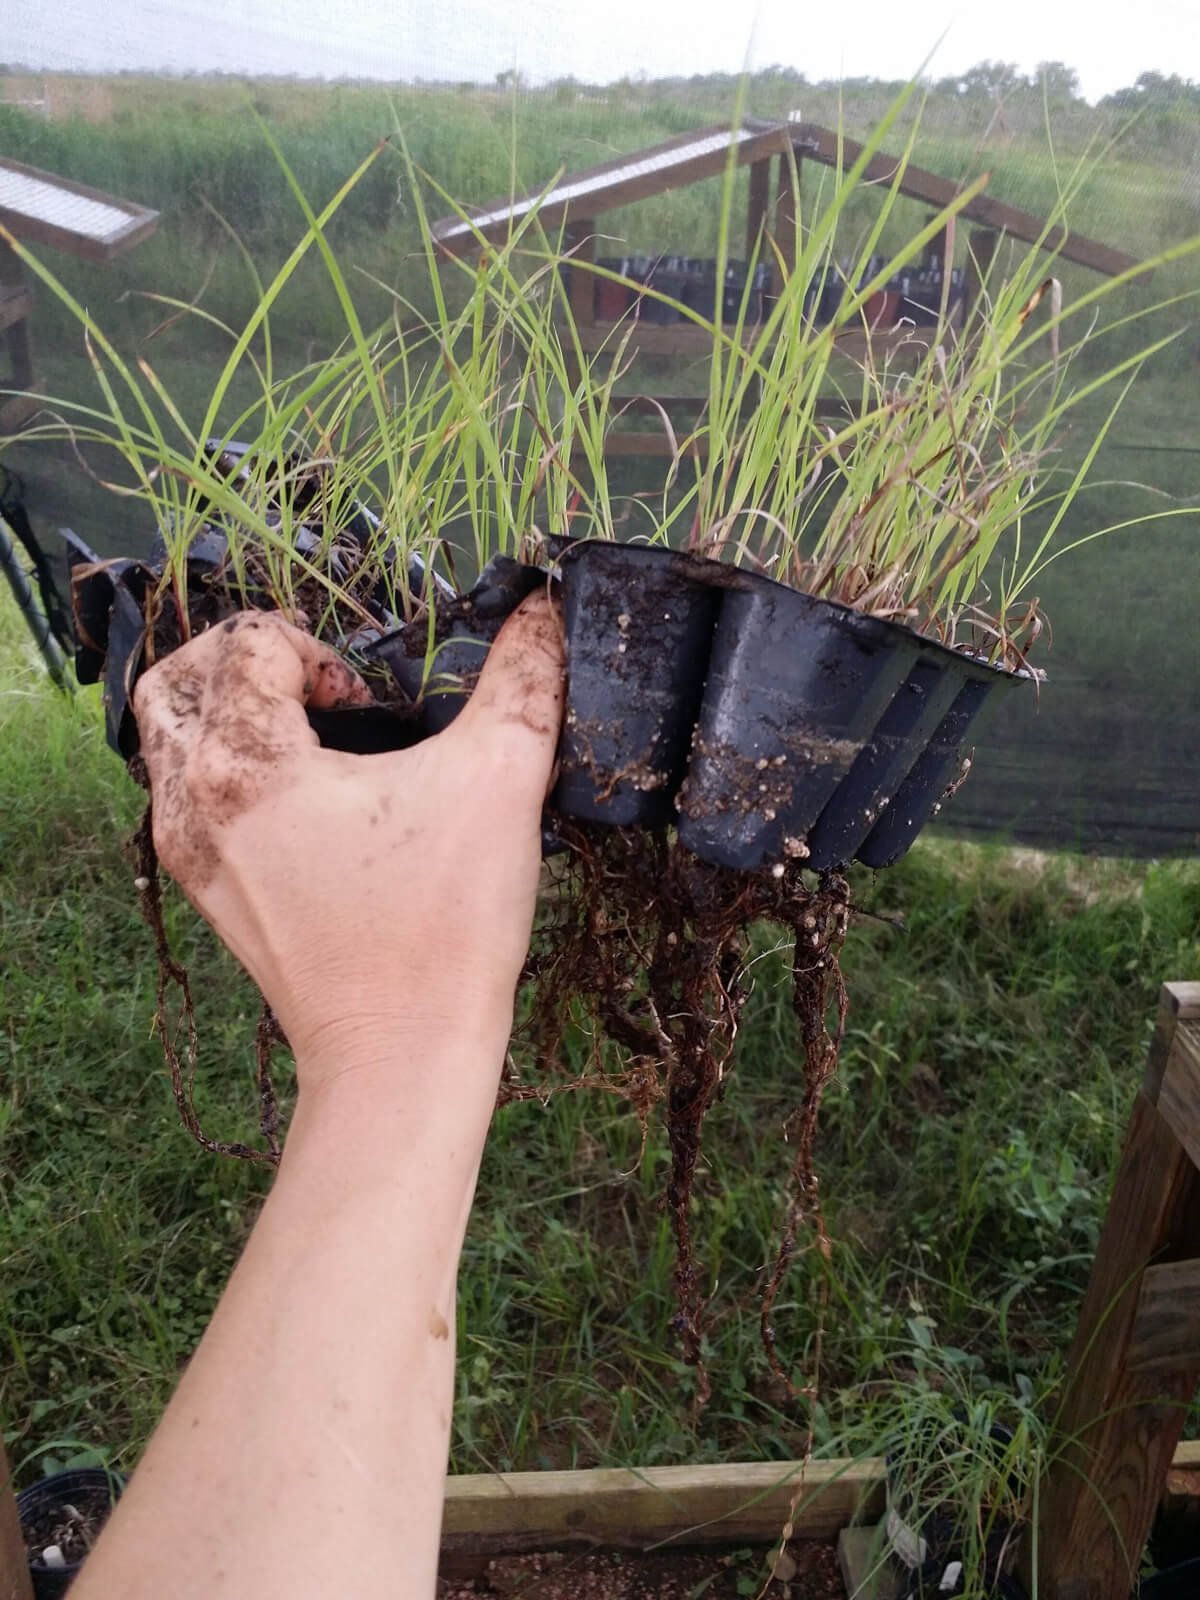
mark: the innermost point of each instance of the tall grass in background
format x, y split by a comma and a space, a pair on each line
191, 148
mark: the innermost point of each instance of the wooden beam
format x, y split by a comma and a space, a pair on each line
1118, 1424
627, 1508
12, 270
756, 214
620, 182
646, 405
652, 444
582, 241
15, 1582
1166, 1325
822, 144
655, 339
494, 1514
1177, 1002
15, 307
1179, 1091
885, 345
784, 222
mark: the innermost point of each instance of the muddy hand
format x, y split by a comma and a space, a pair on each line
368, 896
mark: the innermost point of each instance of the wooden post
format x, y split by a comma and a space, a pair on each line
16, 309
981, 249
582, 244
1135, 1360
787, 184
15, 1582
756, 215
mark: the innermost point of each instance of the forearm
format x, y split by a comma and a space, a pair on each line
304, 1453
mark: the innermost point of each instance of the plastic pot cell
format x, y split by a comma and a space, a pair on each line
60, 1518
896, 743
796, 687
614, 299
927, 1539
439, 694
920, 794
638, 622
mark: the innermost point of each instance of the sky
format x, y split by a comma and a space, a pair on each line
600, 40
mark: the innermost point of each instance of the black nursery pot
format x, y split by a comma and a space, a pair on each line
919, 795
459, 658
928, 1540
796, 686
42, 1501
639, 622
1176, 1583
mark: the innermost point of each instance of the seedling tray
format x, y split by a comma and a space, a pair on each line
766, 724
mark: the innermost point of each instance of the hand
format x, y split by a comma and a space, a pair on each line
372, 898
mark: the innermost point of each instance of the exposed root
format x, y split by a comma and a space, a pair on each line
183, 1067
816, 982
267, 1034
648, 943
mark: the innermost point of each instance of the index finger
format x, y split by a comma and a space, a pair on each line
251, 657
218, 716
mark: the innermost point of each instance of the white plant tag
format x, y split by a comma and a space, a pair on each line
907, 1544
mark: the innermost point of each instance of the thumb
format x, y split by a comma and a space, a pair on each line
517, 707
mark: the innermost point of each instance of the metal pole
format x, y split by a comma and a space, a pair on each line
18, 582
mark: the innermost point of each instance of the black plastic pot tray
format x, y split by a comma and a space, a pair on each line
768, 724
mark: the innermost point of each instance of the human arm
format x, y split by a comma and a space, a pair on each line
383, 904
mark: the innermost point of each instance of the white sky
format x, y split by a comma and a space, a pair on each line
600, 40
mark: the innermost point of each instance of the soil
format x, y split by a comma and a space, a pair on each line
74, 1527
812, 1570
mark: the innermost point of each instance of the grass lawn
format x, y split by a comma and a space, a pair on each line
995, 1041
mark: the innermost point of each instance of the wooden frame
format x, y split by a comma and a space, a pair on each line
15, 1582
1134, 1364
142, 221
624, 1508
815, 143
577, 199
16, 295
